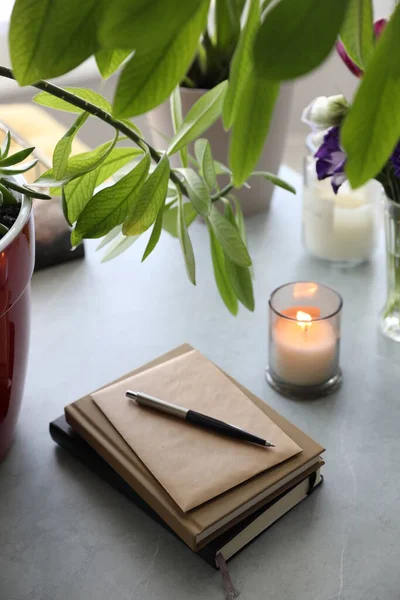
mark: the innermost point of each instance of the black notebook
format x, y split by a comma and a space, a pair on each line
227, 544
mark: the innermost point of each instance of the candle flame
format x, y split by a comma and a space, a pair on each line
303, 320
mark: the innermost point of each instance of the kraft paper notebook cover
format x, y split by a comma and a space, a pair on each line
228, 544
204, 523
191, 463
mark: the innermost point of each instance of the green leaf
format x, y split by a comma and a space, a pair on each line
111, 235
79, 164
186, 244
152, 73
239, 219
110, 207
5, 147
296, 36
221, 277
197, 190
24, 190
46, 99
170, 218
239, 277
149, 200
275, 180
17, 170
372, 127
48, 38
7, 196
176, 116
204, 157
241, 65
144, 24
229, 238
357, 32
77, 194
227, 23
16, 158
3, 230
108, 61
155, 235
200, 117
64, 146
221, 169
121, 244
252, 122
65, 207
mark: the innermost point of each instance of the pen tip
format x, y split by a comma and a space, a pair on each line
269, 445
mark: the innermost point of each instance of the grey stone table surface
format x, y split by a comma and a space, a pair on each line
66, 535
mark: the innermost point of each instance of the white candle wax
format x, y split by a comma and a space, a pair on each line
338, 227
304, 353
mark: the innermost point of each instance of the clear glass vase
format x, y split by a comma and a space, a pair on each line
390, 316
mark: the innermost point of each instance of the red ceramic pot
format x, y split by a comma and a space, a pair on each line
17, 254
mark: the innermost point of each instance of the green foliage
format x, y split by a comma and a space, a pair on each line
242, 65
177, 118
252, 122
357, 32
120, 245
170, 218
46, 99
296, 36
155, 235
372, 128
221, 277
186, 244
151, 74
227, 23
229, 238
148, 201
48, 39
202, 150
110, 207
198, 192
108, 61
199, 118
275, 180
64, 146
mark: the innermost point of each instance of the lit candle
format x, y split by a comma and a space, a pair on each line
305, 349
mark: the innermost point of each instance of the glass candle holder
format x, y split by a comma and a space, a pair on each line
304, 340
339, 228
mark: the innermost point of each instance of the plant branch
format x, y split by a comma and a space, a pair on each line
94, 110
225, 190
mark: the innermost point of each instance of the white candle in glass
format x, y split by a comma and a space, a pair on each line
339, 227
305, 350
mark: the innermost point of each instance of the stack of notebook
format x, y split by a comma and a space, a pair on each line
214, 493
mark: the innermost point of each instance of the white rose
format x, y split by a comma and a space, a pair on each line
325, 112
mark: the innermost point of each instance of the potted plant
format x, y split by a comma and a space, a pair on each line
17, 253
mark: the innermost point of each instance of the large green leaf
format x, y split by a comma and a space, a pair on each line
111, 235
200, 117
48, 38
78, 165
144, 24
252, 122
77, 194
177, 118
120, 244
110, 207
205, 160
372, 127
151, 74
63, 147
357, 32
46, 99
155, 235
170, 218
198, 192
229, 238
149, 200
296, 36
238, 276
221, 277
108, 61
186, 244
241, 65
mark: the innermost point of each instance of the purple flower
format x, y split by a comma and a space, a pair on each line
331, 159
395, 159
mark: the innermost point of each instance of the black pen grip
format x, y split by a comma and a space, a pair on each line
220, 427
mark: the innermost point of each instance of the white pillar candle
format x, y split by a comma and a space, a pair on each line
339, 227
304, 350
